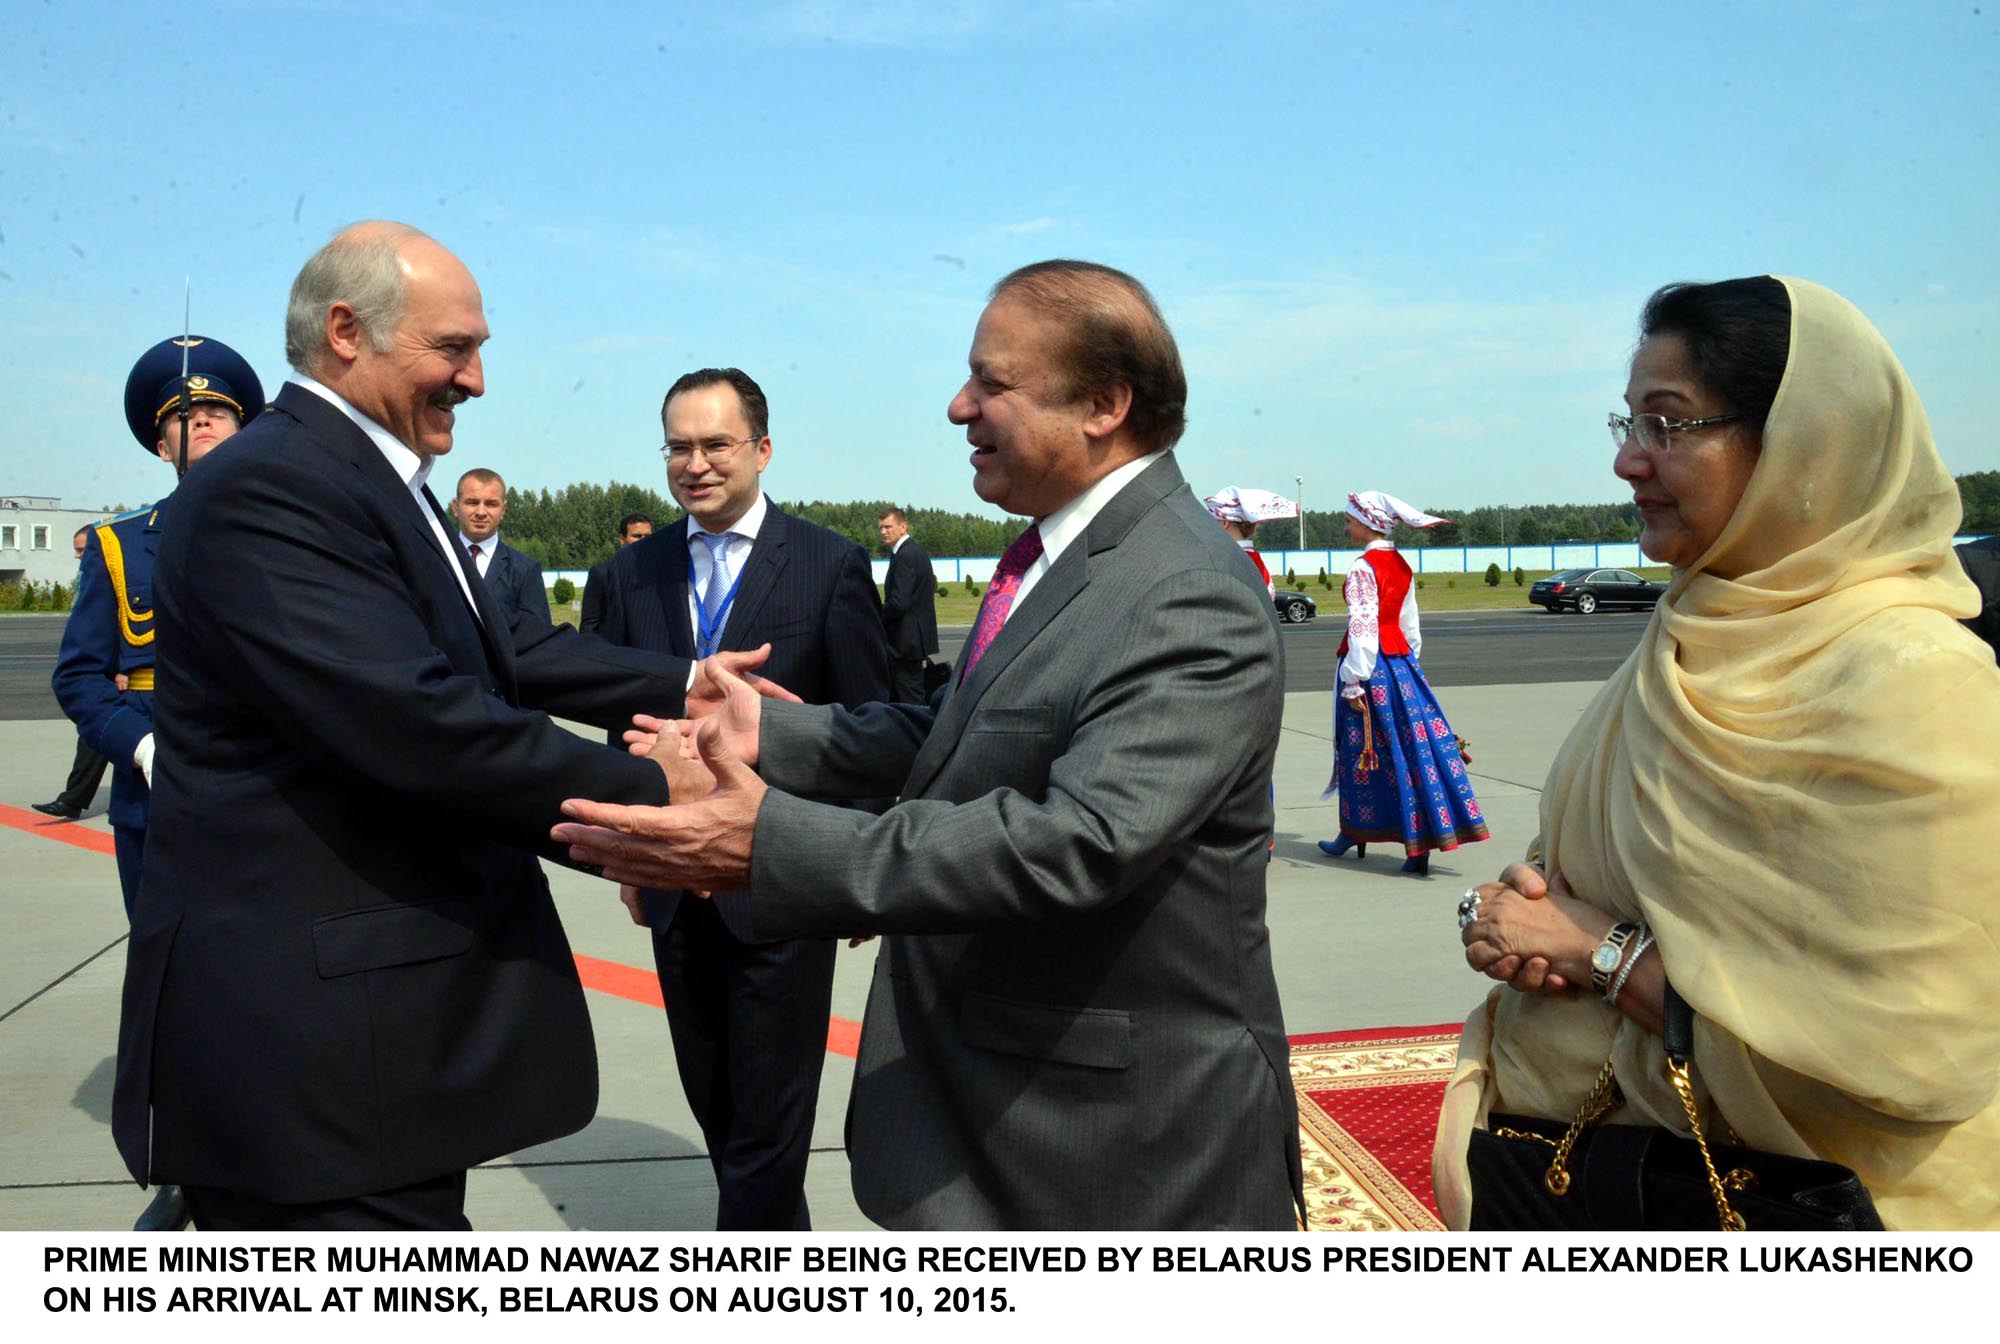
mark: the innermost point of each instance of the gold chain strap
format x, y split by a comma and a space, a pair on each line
1730, 1219
1603, 1097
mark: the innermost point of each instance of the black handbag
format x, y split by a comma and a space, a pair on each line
1539, 1175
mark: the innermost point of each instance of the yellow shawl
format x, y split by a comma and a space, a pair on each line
1795, 780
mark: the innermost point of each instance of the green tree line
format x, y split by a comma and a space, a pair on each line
576, 527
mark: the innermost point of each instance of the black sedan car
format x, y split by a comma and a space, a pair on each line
1293, 607
1588, 590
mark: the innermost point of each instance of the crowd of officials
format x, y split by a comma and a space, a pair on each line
330, 1013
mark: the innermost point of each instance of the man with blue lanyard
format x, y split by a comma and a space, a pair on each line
178, 411
748, 1016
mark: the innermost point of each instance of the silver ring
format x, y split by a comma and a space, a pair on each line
1468, 907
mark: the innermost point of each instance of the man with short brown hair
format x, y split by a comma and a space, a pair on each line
909, 607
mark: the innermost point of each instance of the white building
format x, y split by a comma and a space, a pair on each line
35, 534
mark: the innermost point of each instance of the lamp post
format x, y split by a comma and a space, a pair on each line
1300, 482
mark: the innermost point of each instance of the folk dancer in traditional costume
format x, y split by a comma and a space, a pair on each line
178, 410
1240, 510
1397, 764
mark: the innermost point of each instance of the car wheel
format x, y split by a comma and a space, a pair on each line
1295, 612
1586, 603
1552, 607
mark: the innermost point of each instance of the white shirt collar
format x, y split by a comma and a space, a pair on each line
1383, 545
746, 527
411, 468
490, 546
899, 543
1069, 522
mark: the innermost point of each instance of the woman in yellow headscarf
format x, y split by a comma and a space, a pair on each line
1786, 802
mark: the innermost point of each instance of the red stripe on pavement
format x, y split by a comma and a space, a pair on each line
843, 1037
606, 977
50, 828
624, 982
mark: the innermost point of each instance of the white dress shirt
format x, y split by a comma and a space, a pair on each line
736, 554
1067, 524
411, 468
484, 557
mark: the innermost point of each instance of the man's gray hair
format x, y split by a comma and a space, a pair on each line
358, 268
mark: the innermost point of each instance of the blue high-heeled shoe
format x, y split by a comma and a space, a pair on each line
1420, 865
1333, 849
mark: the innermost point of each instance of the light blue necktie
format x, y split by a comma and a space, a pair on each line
717, 592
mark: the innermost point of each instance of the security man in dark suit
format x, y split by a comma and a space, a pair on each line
105, 673
515, 579
909, 608
748, 1018
110, 628
632, 527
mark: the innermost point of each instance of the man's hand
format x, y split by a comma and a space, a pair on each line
687, 778
701, 846
738, 709
713, 675
629, 894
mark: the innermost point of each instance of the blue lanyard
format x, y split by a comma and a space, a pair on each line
708, 633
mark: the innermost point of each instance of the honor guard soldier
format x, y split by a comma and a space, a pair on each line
110, 628
183, 397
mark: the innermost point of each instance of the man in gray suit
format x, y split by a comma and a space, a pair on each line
1074, 1022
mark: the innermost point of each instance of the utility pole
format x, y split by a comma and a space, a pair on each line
1300, 482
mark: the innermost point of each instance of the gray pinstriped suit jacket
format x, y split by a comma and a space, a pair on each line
1075, 1023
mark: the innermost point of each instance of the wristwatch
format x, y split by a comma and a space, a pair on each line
1604, 961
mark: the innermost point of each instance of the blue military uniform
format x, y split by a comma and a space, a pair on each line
110, 627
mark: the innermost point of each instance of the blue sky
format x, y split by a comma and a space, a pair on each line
1402, 245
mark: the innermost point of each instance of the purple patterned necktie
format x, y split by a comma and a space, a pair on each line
999, 599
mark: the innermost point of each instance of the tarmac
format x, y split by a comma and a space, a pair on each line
1355, 944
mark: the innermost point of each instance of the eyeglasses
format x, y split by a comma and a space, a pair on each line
714, 450
1655, 432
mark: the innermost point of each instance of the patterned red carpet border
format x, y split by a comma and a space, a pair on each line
1368, 1105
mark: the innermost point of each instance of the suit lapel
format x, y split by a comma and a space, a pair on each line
767, 562
1067, 577
665, 561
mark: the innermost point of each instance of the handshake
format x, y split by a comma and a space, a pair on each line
702, 841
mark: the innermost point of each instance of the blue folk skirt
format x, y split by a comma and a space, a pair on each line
1417, 790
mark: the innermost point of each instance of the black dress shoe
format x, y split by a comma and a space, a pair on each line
167, 1213
59, 808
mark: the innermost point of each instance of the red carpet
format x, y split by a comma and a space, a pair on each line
1368, 1105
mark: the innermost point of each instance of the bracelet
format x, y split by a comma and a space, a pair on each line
1639, 946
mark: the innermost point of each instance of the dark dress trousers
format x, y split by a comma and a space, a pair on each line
591, 614
346, 975
748, 1018
909, 617
1074, 1022
515, 581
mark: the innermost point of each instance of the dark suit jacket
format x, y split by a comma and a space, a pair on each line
345, 971
1076, 1023
591, 614
909, 603
807, 591
516, 582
